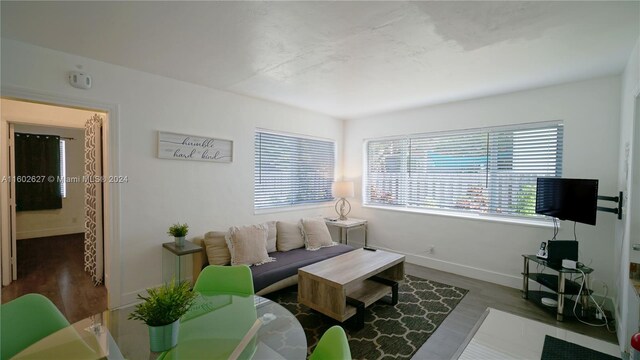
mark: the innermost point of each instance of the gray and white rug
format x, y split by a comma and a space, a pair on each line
390, 331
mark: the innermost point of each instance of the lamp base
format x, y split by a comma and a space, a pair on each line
343, 208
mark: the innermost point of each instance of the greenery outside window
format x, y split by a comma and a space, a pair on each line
482, 171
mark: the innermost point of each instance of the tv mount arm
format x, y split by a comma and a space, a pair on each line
617, 199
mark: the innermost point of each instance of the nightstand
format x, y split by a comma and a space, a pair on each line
346, 225
179, 252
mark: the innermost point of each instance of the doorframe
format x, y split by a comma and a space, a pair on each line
111, 166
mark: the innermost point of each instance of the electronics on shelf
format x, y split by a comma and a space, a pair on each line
559, 250
549, 302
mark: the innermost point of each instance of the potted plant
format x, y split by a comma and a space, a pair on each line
179, 231
161, 310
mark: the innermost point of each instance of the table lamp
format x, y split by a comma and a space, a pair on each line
342, 190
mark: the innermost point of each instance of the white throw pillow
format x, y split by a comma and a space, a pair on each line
289, 236
316, 233
248, 245
271, 237
215, 244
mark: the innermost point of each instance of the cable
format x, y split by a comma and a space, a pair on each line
574, 231
575, 304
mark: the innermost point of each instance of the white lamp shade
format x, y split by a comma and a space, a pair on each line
342, 189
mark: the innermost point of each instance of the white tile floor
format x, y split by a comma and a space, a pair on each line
505, 336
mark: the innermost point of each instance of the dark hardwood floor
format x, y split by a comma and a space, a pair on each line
54, 267
455, 328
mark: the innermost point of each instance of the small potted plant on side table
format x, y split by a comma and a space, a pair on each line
161, 310
179, 231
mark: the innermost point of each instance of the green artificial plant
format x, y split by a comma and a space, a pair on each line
165, 304
178, 230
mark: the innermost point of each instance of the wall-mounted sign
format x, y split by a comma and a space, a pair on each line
190, 147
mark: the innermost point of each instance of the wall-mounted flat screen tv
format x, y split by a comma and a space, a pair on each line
568, 199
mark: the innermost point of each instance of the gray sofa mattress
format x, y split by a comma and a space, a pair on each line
288, 262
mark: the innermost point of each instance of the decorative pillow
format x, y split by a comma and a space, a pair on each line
215, 244
248, 245
289, 236
316, 233
271, 237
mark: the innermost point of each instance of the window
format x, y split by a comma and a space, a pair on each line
485, 171
63, 169
292, 170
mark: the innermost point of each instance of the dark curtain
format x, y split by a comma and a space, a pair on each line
37, 172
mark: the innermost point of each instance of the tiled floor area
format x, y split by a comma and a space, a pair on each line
456, 327
506, 336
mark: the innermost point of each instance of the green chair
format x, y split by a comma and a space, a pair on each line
26, 320
235, 280
333, 345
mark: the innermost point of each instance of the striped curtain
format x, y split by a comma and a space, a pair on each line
93, 240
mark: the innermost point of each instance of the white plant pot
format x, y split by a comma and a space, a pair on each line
179, 240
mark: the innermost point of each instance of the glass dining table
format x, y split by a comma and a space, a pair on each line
217, 326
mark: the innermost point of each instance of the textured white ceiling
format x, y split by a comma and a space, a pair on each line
346, 59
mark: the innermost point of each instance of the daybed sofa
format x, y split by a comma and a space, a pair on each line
270, 276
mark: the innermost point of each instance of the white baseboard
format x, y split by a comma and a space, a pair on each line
459, 269
30, 234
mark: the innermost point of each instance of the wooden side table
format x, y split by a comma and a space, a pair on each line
179, 252
346, 225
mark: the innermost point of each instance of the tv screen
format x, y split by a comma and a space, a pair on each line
567, 199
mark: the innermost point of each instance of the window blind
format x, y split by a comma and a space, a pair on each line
490, 170
291, 170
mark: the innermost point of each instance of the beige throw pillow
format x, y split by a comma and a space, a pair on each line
215, 244
289, 236
248, 245
316, 233
271, 237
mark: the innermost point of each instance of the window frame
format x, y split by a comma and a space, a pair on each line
536, 221
299, 206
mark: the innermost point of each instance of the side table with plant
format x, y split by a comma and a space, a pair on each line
161, 310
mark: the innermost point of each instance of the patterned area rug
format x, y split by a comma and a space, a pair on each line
389, 331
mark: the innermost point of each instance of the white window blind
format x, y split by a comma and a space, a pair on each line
291, 170
487, 171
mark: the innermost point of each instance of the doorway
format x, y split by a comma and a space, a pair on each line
47, 243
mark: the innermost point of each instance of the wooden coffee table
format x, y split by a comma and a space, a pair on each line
345, 285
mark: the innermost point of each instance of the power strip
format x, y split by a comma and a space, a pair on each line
569, 264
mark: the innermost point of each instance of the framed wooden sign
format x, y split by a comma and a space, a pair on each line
191, 147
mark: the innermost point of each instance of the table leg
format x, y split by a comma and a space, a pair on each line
561, 285
365, 235
525, 279
178, 268
359, 317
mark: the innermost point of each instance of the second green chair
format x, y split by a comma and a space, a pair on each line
26, 320
235, 280
333, 345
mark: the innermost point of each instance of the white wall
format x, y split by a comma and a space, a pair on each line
70, 218
161, 192
628, 304
491, 250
